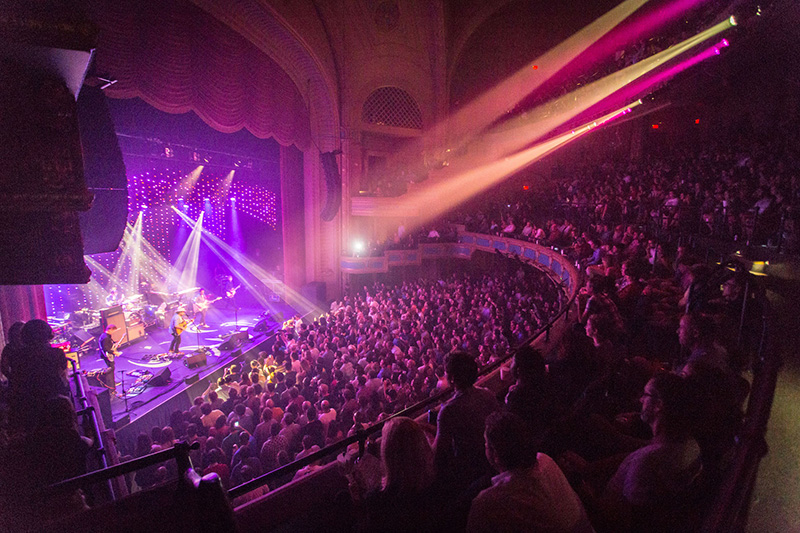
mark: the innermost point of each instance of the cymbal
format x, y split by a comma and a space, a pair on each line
132, 298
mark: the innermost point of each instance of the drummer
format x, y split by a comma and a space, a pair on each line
114, 297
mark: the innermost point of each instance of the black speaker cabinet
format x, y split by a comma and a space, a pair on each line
234, 341
195, 360
104, 400
161, 379
114, 315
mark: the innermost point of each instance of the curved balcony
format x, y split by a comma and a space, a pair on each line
543, 257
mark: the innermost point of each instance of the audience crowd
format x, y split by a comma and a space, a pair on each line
747, 193
376, 352
625, 427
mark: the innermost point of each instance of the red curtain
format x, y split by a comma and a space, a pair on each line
179, 58
20, 303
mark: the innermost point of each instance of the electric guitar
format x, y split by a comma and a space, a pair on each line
231, 293
200, 307
113, 353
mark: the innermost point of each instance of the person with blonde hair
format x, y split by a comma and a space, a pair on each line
410, 498
406, 456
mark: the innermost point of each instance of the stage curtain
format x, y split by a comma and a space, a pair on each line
20, 303
178, 58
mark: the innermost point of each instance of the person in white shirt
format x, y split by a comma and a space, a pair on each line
528, 229
530, 493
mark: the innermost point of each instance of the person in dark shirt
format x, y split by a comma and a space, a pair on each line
459, 447
410, 499
531, 397
39, 373
11, 350
107, 350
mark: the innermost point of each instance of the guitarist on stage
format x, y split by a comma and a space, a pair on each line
230, 293
201, 305
108, 350
179, 323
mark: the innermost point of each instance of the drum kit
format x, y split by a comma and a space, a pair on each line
139, 308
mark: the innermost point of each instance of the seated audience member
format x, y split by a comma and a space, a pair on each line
53, 452
608, 354
650, 490
530, 493
720, 396
696, 334
599, 303
308, 447
629, 288
151, 475
458, 448
248, 474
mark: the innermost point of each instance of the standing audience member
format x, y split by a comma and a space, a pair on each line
531, 397
11, 350
38, 373
458, 448
409, 499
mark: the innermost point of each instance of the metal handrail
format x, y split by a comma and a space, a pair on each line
179, 452
88, 410
729, 509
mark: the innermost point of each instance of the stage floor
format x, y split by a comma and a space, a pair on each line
138, 358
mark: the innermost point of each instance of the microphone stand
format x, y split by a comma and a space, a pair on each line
124, 393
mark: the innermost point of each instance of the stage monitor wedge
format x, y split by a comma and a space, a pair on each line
234, 341
195, 360
161, 379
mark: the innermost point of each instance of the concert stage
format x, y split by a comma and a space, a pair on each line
156, 386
